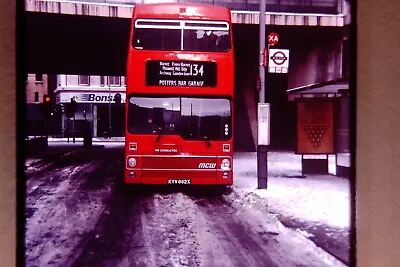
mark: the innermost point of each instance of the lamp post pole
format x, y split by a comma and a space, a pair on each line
262, 165
109, 107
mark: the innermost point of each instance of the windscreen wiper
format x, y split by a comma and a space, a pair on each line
160, 132
207, 141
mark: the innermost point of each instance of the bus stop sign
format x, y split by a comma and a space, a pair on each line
273, 38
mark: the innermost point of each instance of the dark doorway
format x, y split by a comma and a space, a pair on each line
117, 120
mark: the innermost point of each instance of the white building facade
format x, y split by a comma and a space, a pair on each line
95, 106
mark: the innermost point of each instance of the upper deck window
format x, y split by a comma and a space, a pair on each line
179, 35
157, 39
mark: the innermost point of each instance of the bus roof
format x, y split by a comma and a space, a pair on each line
181, 11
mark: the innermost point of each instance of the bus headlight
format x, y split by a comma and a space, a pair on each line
225, 164
132, 162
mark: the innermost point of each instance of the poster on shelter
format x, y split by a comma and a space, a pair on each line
315, 129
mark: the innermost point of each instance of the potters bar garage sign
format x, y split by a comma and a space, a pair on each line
181, 73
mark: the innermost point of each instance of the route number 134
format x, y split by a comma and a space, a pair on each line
196, 69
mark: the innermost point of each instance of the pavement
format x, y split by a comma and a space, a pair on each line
317, 206
80, 139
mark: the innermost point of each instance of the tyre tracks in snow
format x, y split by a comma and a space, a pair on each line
170, 226
62, 206
237, 240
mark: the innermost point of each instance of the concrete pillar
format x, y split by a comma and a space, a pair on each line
94, 106
63, 117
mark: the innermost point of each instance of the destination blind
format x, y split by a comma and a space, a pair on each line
181, 73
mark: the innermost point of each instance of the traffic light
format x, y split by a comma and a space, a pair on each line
46, 98
61, 108
117, 98
46, 105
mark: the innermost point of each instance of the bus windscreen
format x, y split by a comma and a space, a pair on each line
192, 118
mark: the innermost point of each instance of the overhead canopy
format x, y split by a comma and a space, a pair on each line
333, 88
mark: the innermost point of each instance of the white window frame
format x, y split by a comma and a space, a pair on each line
81, 83
36, 100
114, 78
39, 81
102, 81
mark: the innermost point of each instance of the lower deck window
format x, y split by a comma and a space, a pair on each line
192, 118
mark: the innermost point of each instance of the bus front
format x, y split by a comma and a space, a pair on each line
179, 105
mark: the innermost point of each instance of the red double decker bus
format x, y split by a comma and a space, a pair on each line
179, 95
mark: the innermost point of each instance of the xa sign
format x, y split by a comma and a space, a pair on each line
273, 38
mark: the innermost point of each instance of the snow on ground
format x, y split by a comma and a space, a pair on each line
79, 142
312, 198
316, 198
59, 220
317, 207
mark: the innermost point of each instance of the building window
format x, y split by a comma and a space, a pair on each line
102, 82
39, 77
114, 80
83, 79
36, 97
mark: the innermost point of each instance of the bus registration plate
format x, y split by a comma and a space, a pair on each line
179, 181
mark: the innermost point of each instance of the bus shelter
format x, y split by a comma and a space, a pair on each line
323, 126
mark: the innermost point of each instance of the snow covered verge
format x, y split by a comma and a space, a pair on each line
318, 203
